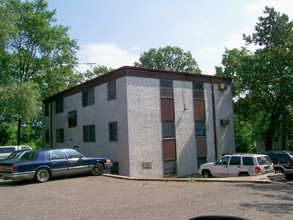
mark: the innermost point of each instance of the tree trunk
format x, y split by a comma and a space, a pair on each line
18, 132
269, 138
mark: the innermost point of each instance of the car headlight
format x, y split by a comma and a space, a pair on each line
108, 161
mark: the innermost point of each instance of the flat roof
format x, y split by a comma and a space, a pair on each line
139, 72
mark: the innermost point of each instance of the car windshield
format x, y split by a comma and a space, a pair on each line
223, 161
31, 155
264, 160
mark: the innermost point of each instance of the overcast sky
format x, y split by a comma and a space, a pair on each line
114, 33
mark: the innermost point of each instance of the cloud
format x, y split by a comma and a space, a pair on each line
109, 55
284, 6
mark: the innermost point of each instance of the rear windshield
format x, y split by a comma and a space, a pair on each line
264, 160
28, 156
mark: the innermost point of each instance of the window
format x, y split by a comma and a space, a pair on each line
89, 134
235, 161
166, 88
72, 119
200, 129
59, 105
113, 131
30, 155
88, 97
264, 160
72, 154
46, 109
60, 135
198, 91
111, 90
57, 155
168, 129
248, 161
47, 136
223, 161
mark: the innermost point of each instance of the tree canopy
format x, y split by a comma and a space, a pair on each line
168, 58
263, 79
37, 58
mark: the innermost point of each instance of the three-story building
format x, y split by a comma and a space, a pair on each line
151, 123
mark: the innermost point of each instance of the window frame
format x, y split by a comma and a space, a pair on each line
111, 90
60, 135
72, 119
168, 129
59, 105
89, 133
88, 97
166, 87
113, 131
198, 90
200, 131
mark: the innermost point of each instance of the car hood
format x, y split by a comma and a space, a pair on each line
207, 164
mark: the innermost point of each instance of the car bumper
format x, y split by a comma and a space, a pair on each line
108, 166
17, 176
289, 171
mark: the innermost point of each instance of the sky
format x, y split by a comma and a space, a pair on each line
114, 33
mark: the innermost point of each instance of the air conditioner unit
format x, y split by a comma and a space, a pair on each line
222, 86
224, 122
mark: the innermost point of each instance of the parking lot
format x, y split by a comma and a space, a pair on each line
89, 197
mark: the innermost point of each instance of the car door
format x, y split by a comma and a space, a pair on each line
234, 166
221, 167
58, 163
76, 165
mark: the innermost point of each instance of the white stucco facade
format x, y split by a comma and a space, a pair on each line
137, 111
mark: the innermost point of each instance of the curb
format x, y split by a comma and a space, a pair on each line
251, 179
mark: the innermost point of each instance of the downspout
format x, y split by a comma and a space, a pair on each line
214, 119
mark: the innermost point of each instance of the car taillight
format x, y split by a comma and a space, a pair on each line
291, 164
257, 169
14, 168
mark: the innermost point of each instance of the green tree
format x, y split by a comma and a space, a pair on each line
263, 80
36, 55
39, 51
19, 102
168, 58
96, 71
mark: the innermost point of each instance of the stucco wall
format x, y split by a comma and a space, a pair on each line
99, 114
185, 130
224, 110
210, 137
144, 125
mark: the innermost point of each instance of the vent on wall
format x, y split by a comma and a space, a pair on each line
146, 165
224, 122
222, 86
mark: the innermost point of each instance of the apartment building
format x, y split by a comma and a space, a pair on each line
149, 122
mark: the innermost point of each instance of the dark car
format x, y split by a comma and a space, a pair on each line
14, 155
283, 161
41, 165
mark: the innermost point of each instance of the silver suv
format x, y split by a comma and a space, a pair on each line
237, 165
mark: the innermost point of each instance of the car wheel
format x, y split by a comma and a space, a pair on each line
206, 174
42, 175
278, 170
98, 169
